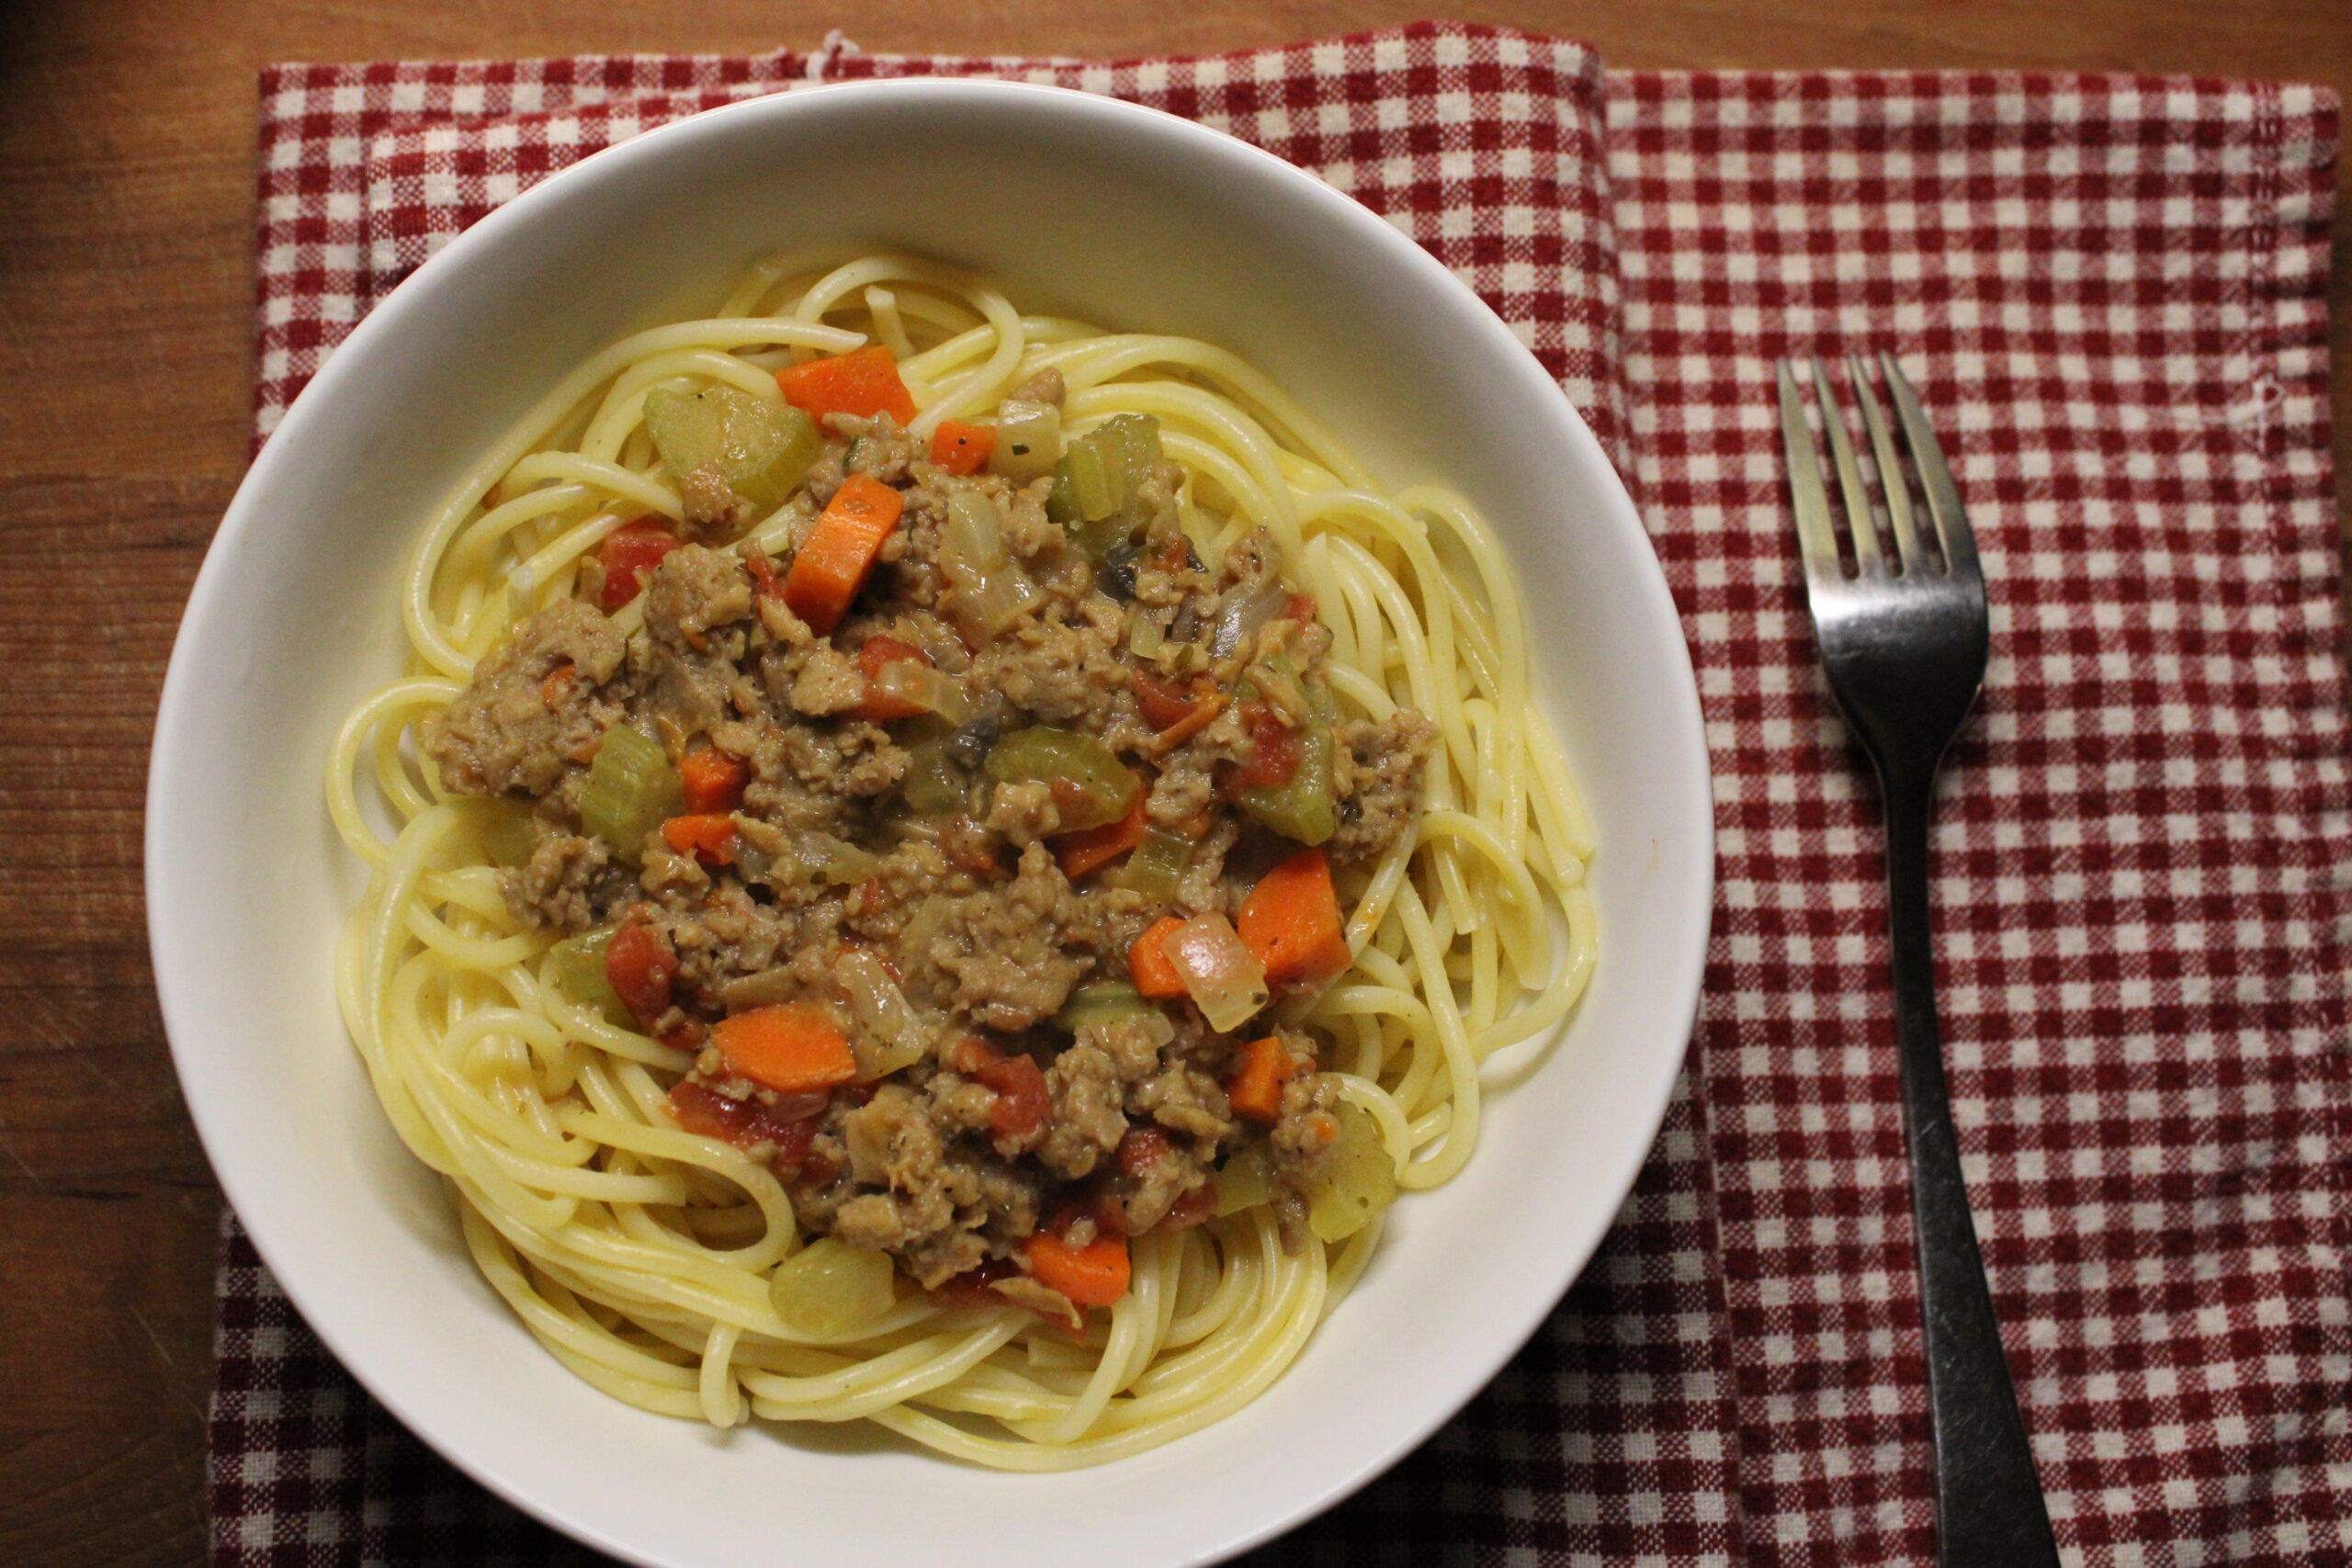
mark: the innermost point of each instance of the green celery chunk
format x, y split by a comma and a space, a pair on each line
1157, 865
579, 974
508, 835
1359, 1182
1062, 502
1098, 485
1092, 787
933, 785
1094, 479
1102, 1002
763, 449
631, 790
1304, 808
829, 1289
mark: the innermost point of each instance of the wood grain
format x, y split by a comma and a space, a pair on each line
127, 132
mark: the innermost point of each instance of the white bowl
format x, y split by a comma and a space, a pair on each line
1128, 216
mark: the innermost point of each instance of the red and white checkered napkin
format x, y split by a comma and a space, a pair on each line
2111, 293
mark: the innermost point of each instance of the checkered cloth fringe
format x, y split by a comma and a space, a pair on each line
2111, 293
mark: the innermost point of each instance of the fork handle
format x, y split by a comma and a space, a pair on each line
1989, 1508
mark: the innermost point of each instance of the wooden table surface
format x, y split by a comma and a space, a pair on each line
126, 135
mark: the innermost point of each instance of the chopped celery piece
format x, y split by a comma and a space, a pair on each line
1304, 809
504, 828
933, 785
579, 974
1357, 1184
1157, 865
1103, 1002
763, 449
1091, 787
1093, 478
1062, 502
1028, 441
1098, 485
829, 1289
1246, 1181
631, 790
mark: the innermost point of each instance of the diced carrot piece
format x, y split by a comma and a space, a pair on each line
1155, 973
1291, 922
879, 706
961, 448
627, 554
1255, 1090
863, 382
639, 967
1090, 848
713, 780
1203, 714
558, 685
709, 837
1094, 1275
832, 562
791, 1048
1163, 705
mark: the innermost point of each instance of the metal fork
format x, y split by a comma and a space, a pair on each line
1903, 637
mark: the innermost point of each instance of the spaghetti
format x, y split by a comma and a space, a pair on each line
650, 1258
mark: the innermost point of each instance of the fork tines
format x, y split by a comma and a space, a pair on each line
1947, 548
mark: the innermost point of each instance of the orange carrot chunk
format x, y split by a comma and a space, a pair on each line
1155, 973
1255, 1090
833, 559
709, 837
791, 1049
1090, 848
1093, 1275
864, 382
713, 780
961, 448
1291, 922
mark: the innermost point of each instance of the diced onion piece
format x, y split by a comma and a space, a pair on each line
835, 860
992, 589
1244, 1182
1357, 1184
891, 1035
830, 1289
1222, 975
1028, 440
935, 690
1147, 635
1242, 615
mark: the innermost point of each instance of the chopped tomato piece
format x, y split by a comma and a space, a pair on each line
1022, 1103
763, 575
746, 1123
1273, 749
713, 780
1197, 1206
628, 554
977, 1287
1156, 974
710, 838
1163, 705
863, 382
879, 706
1142, 1148
1300, 608
639, 967
961, 448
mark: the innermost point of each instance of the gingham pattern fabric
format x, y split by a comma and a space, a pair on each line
2111, 293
